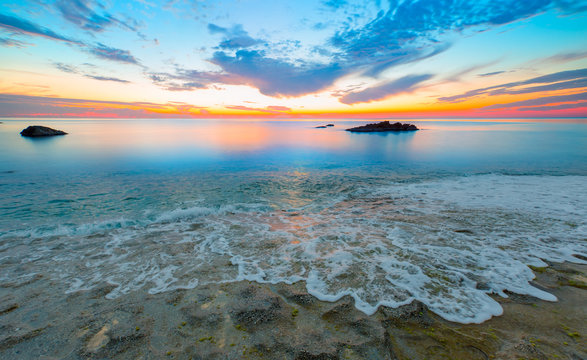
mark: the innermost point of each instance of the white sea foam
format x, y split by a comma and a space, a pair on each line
448, 243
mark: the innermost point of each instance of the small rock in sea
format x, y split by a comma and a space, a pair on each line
321, 127
329, 124
39, 131
384, 126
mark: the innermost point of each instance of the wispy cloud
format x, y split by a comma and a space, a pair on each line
82, 14
402, 85
11, 42
492, 73
25, 27
113, 54
74, 70
268, 109
106, 78
22, 26
565, 57
570, 79
66, 68
580, 105
541, 101
25, 105
187, 80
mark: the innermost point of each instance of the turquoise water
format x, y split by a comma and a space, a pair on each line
445, 215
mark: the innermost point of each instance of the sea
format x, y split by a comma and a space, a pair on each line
451, 215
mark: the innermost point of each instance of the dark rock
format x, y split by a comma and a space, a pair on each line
39, 131
329, 124
384, 126
321, 127
258, 312
8, 308
305, 355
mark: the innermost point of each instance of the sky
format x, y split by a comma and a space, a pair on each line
293, 59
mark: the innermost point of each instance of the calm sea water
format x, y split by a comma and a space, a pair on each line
445, 215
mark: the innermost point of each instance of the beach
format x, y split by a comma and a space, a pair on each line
246, 320
399, 246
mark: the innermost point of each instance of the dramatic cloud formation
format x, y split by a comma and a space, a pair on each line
275, 77
407, 32
403, 85
347, 57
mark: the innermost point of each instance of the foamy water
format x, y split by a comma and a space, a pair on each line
385, 232
447, 243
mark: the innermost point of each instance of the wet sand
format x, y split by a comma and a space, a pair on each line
247, 320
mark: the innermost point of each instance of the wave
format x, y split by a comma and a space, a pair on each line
448, 243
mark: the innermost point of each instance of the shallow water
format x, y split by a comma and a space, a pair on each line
445, 215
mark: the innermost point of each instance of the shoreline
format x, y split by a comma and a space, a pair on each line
247, 320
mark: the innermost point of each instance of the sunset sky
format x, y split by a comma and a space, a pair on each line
293, 59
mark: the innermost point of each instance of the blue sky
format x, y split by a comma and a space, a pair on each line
281, 58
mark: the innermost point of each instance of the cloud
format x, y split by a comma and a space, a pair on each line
492, 73
565, 57
105, 52
22, 26
564, 85
269, 109
409, 31
11, 42
274, 77
80, 13
106, 78
235, 37
74, 70
581, 105
509, 88
402, 85
572, 6
335, 4
278, 108
187, 80
541, 101
25, 27
32, 106
66, 68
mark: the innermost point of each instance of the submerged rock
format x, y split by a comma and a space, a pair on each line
384, 126
39, 131
321, 127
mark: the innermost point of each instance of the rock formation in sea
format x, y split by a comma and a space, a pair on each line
384, 126
40, 131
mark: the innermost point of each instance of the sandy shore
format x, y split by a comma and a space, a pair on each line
259, 321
